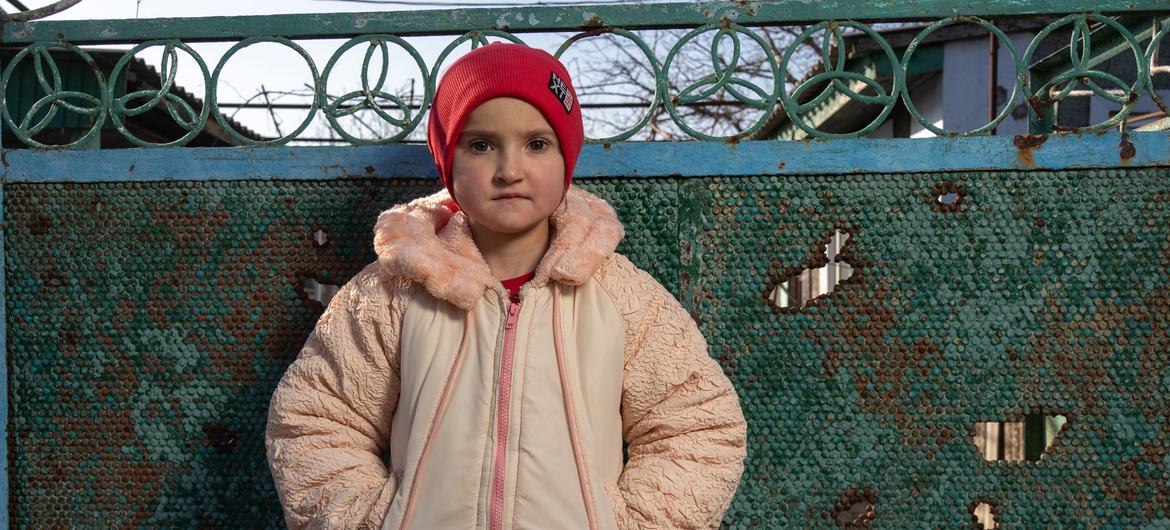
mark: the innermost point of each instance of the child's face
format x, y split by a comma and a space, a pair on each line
507, 172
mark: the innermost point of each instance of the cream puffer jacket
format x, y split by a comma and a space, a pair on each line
498, 414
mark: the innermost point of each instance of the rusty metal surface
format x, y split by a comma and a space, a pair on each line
150, 321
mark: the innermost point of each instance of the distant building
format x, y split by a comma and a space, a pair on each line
948, 80
155, 125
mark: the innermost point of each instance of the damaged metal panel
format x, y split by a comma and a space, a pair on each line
150, 321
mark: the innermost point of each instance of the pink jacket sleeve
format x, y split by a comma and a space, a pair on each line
329, 419
681, 418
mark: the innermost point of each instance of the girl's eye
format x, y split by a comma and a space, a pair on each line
538, 145
479, 145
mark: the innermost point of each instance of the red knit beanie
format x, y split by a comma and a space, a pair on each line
504, 70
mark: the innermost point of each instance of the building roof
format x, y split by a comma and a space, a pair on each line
155, 125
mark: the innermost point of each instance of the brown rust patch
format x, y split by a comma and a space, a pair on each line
855, 508
1126, 149
1026, 145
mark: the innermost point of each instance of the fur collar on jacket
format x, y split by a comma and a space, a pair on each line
428, 241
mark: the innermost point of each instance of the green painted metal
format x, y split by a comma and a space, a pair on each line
544, 18
1058, 78
728, 28
1003, 40
151, 320
631, 160
152, 298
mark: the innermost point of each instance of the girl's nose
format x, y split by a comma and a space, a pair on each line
508, 167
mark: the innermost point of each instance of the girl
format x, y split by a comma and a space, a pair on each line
501, 351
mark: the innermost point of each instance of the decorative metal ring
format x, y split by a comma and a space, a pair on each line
1080, 51
191, 122
654, 67
478, 38
838, 78
1017, 86
722, 78
223, 122
55, 98
369, 94
1151, 57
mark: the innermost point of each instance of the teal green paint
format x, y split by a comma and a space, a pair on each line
4, 413
526, 19
878, 80
621, 160
150, 388
1105, 43
158, 298
1068, 68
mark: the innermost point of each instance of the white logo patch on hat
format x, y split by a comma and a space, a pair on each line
561, 91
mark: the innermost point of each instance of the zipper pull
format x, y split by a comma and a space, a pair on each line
513, 311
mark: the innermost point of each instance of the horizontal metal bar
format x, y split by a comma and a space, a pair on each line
545, 18
1057, 152
1160, 125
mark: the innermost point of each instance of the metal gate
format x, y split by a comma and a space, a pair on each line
154, 296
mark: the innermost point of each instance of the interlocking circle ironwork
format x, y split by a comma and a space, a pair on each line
1061, 85
367, 98
722, 78
56, 98
837, 79
123, 107
842, 79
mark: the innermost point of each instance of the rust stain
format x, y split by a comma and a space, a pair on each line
1126, 149
1027, 144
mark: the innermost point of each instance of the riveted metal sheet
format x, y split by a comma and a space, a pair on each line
1030, 293
149, 322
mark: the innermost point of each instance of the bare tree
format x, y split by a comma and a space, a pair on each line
617, 84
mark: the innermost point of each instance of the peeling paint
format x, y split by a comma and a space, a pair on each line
532, 20
1027, 144
360, 22
502, 21
21, 29
592, 20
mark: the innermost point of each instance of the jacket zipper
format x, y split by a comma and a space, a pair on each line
503, 407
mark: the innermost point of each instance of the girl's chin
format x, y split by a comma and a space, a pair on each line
510, 228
